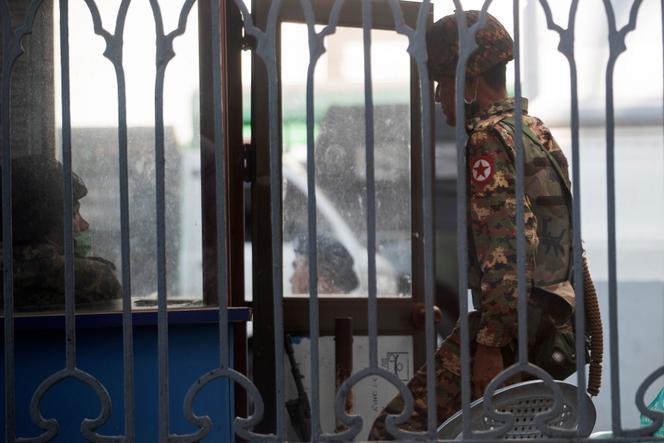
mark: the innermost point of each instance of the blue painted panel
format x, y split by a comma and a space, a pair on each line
193, 351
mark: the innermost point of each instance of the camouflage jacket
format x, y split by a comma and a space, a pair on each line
39, 278
492, 218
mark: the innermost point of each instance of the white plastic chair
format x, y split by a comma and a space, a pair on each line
524, 400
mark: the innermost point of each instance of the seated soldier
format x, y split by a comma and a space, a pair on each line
38, 240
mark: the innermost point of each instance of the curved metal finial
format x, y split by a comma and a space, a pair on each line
617, 37
657, 417
241, 426
355, 422
508, 418
416, 41
566, 45
88, 426
16, 37
317, 39
165, 50
113, 50
467, 43
265, 40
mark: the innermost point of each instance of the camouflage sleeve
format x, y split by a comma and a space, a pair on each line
550, 144
95, 280
492, 221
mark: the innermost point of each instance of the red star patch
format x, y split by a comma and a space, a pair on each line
481, 168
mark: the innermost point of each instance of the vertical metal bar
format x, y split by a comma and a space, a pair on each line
343, 360
70, 320
160, 183
616, 47
7, 249
467, 45
611, 210
277, 277
125, 246
269, 56
220, 186
161, 272
427, 162
114, 54
312, 236
312, 227
316, 49
163, 54
580, 315
371, 183
520, 194
127, 321
566, 47
462, 221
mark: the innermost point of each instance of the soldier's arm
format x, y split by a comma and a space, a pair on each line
492, 204
94, 279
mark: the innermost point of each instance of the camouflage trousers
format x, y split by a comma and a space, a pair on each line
448, 376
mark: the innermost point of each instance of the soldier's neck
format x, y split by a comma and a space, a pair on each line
487, 96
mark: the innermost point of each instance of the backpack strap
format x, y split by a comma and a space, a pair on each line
511, 123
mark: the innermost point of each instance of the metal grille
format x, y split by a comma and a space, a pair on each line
266, 49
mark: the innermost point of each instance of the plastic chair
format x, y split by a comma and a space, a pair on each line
524, 400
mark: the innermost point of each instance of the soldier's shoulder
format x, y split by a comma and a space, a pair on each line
41, 250
488, 140
96, 279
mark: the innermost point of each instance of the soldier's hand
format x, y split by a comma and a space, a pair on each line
487, 364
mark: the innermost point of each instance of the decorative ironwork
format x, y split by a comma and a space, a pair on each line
266, 50
316, 50
266, 41
113, 52
11, 51
616, 47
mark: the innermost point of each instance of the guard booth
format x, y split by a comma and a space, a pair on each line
277, 194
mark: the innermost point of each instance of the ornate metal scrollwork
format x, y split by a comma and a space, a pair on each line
88, 426
241, 426
354, 422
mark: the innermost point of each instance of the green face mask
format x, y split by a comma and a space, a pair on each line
82, 243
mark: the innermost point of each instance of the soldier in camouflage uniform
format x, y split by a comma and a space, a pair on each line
38, 237
490, 154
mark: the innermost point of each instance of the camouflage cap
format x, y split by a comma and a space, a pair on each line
493, 41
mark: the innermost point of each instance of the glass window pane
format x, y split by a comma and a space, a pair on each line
339, 145
37, 127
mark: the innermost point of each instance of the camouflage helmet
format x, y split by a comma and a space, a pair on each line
494, 46
38, 197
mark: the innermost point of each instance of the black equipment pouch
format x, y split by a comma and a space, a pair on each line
553, 346
556, 354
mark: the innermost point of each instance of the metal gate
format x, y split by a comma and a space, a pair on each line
224, 165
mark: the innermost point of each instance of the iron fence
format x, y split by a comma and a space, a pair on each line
266, 50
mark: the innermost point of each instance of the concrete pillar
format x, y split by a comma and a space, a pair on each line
33, 87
